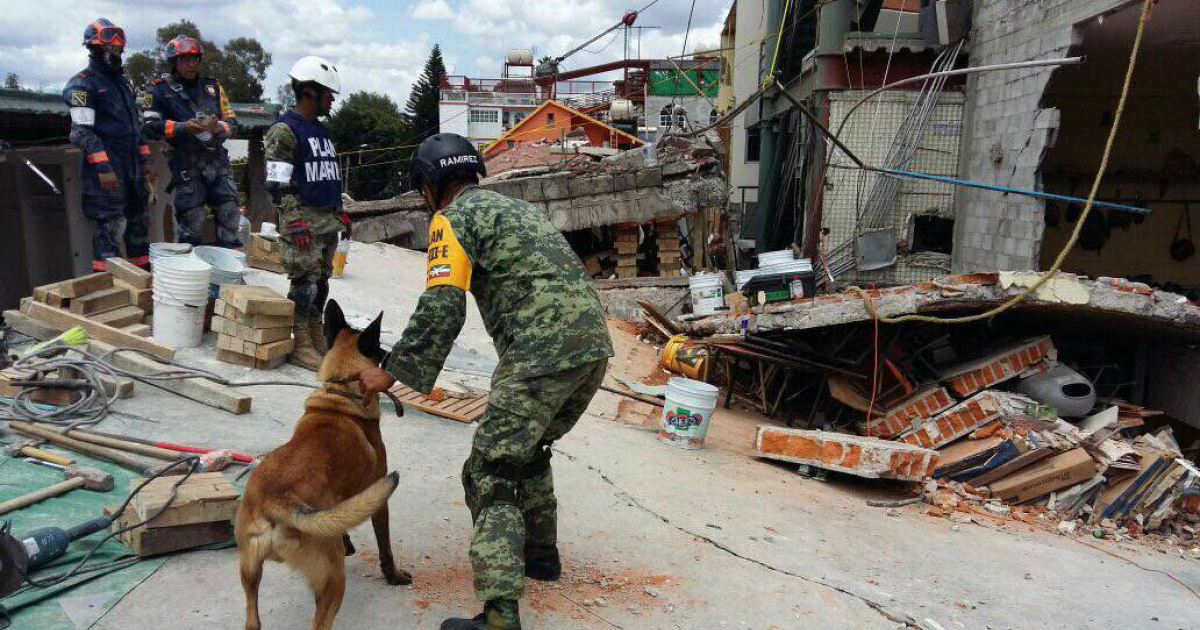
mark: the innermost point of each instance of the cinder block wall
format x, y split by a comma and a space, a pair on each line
1006, 131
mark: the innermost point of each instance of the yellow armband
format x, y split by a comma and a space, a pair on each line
449, 264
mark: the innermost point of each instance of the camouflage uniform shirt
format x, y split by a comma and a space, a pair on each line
535, 297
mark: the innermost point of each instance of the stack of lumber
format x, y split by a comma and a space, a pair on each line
254, 326
201, 514
264, 253
627, 248
667, 240
111, 301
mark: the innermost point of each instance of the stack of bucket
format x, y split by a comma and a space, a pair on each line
778, 262
180, 296
166, 250
227, 266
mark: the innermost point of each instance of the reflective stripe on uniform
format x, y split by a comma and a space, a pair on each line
279, 172
140, 261
144, 149
170, 129
97, 157
85, 116
99, 265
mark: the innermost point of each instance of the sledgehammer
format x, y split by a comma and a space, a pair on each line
77, 477
116, 457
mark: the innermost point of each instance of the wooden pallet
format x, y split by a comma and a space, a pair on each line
466, 410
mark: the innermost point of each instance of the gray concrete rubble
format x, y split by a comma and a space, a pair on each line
620, 297
1111, 300
616, 189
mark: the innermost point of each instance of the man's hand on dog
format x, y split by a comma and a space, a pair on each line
375, 381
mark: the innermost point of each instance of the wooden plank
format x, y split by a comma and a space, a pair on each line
198, 389
120, 317
450, 408
203, 498
253, 300
274, 350
141, 298
84, 285
129, 273
236, 358
100, 332
227, 311
266, 265
100, 301
27, 325
154, 542
138, 329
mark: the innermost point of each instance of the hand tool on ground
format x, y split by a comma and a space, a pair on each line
19, 556
122, 444
72, 384
116, 457
76, 477
241, 458
29, 448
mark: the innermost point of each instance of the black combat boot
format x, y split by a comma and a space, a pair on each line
499, 614
542, 564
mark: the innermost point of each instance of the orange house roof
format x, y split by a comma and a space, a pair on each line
534, 128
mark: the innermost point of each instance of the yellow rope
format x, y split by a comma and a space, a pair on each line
1087, 209
775, 57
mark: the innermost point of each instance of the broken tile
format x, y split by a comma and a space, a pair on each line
1002, 365
851, 454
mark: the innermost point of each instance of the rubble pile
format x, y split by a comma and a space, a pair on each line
997, 454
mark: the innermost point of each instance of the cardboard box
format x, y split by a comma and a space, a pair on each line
1058, 472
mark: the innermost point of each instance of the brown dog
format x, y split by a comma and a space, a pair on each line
331, 476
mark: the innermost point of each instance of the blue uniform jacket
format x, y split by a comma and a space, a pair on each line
176, 102
106, 126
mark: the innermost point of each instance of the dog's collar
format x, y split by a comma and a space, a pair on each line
336, 387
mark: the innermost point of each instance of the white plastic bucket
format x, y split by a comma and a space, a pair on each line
766, 259
226, 267
182, 279
687, 412
178, 324
708, 293
742, 276
166, 250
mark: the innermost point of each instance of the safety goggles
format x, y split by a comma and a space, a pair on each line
188, 48
109, 35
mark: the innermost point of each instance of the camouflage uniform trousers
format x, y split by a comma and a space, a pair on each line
508, 480
309, 271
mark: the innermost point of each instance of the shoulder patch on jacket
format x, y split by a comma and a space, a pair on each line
79, 98
449, 264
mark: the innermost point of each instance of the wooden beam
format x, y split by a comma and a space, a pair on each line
29, 326
200, 390
95, 330
129, 273
120, 317
85, 285
100, 301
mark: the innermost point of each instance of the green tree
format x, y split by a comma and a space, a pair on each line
421, 112
371, 121
284, 95
241, 66
12, 81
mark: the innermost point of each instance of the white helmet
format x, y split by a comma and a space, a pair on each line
313, 69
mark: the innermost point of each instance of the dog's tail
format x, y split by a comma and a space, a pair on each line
338, 519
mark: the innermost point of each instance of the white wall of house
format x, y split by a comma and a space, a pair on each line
453, 118
698, 111
484, 123
750, 30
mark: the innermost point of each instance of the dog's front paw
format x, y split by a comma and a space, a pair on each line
396, 577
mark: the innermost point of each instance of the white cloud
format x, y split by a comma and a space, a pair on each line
432, 10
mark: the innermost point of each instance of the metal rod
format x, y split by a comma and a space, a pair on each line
816, 121
1007, 189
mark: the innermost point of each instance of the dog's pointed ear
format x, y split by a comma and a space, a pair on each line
368, 341
335, 321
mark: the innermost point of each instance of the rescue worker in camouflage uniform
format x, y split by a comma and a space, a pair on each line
548, 326
305, 183
192, 114
106, 124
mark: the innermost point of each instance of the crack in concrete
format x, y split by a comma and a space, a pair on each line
879, 608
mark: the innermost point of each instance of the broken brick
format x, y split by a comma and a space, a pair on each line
851, 454
963, 418
1000, 366
923, 404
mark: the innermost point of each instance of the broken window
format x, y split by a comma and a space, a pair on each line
932, 233
550, 120
664, 117
753, 144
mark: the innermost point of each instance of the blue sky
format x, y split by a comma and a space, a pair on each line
379, 45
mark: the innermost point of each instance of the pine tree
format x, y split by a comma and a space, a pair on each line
421, 112
12, 81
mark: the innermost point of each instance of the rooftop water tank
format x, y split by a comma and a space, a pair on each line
519, 57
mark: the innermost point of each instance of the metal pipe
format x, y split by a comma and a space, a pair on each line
1008, 189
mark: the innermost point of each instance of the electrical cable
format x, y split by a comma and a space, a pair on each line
193, 465
1070, 244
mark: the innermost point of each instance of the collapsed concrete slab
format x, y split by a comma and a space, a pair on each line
851, 454
1110, 303
1002, 365
909, 413
964, 418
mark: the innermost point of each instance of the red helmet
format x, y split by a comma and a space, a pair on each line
101, 32
184, 45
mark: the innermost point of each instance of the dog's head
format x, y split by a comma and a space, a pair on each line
350, 351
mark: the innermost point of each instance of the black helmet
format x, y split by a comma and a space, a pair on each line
444, 157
